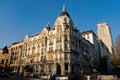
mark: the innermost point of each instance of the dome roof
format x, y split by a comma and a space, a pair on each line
63, 13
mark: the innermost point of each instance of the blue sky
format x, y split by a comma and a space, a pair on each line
21, 17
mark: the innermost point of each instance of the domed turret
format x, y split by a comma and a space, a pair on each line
64, 12
64, 19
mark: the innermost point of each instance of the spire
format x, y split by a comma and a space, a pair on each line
48, 24
64, 12
64, 8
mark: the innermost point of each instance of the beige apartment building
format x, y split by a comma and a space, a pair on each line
4, 57
61, 50
58, 50
15, 56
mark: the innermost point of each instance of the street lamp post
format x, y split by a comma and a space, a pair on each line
92, 63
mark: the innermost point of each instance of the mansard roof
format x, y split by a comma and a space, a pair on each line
89, 31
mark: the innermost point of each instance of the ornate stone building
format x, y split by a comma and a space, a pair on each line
4, 57
15, 56
59, 50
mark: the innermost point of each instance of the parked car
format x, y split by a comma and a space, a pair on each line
107, 77
3, 74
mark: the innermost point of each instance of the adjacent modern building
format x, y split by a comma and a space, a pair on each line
105, 57
104, 34
91, 37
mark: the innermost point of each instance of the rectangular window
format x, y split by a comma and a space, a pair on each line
42, 58
43, 44
65, 38
66, 66
66, 47
58, 39
51, 49
58, 56
65, 56
50, 42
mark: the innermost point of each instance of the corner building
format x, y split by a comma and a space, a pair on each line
55, 50
59, 50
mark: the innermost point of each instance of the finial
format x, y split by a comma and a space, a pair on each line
64, 8
48, 24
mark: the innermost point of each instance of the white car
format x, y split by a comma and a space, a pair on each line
106, 77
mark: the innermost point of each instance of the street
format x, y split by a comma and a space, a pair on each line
17, 78
99, 77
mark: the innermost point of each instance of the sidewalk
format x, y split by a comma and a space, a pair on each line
19, 78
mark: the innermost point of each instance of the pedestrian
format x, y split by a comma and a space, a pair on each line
82, 75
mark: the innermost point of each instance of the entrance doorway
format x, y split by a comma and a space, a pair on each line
58, 71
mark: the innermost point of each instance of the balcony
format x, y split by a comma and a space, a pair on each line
67, 50
59, 41
50, 61
66, 60
66, 56
59, 60
58, 50
66, 41
51, 43
50, 51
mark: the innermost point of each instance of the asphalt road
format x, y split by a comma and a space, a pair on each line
17, 78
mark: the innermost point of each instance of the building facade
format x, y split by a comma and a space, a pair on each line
4, 57
15, 56
101, 54
91, 37
59, 50
105, 58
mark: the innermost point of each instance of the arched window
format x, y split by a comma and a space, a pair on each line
2, 62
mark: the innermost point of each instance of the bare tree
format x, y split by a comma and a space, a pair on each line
117, 50
117, 45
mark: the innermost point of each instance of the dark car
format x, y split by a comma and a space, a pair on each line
3, 74
53, 77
